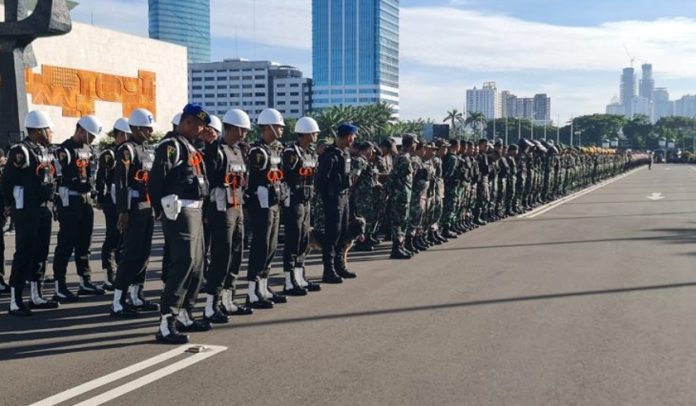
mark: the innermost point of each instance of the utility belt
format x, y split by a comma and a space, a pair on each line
172, 206
300, 193
227, 197
64, 193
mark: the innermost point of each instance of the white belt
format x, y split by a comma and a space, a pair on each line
191, 204
74, 193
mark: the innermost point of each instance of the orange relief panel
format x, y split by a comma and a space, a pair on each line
75, 91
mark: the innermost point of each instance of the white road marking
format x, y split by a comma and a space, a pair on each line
655, 196
543, 209
137, 383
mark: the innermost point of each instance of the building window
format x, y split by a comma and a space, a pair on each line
209, 78
210, 95
222, 95
259, 103
281, 102
222, 86
246, 86
224, 103
234, 77
246, 77
234, 86
281, 84
260, 94
294, 93
196, 79
259, 77
260, 85
196, 95
210, 87
234, 94
247, 94
195, 87
294, 111
294, 85
294, 102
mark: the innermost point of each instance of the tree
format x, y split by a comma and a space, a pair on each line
455, 117
476, 120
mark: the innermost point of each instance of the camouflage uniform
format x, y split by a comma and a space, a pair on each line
399, 190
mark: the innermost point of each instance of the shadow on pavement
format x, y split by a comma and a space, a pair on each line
462, 304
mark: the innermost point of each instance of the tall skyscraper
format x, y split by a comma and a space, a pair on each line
663, 106
355, 52
628, 90
184, 23
485, 100
542, 107
647, 83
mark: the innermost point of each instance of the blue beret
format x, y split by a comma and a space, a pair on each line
196, 110
346, 128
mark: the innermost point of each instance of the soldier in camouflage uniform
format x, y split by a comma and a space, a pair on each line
450, 167
362, 197
436, 152
419, 193
399, 187
510, 191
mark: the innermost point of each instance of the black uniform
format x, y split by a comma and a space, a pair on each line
75, 214
226, 170
333, 183
299, 166
131, 178
106, 197
265, 192
178, 176
28, 185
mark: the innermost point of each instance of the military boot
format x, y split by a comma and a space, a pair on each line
292, 285
88, 288
37, 299
63, 294
398, 253
168, 333
212, 313
255, 299
408, 244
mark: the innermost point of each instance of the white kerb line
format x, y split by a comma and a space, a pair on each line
122, 373
543, 209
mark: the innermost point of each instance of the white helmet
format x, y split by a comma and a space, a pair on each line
215, 123
237, 118
176, 119
91, 124
270, 117
122, 125
306, 125
37, 119
141, 118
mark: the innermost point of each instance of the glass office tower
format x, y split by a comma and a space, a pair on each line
185, 23
355, 52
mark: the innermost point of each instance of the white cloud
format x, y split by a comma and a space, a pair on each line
272, 22
119, 15
475, 41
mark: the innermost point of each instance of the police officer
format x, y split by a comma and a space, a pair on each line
226, 169
299, 165
106, 201
178, 187
75, 214
28, 185
333, 183
135, 221
266, 191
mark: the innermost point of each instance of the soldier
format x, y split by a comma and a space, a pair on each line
178, 188
450, 172
226, 170
419, 196
106, 201
28, 186
317, 216
438, 152
482, 191
75, 213
334, 183
362, 198
135, 222
510, 188
399, 187
266, 191
299, 165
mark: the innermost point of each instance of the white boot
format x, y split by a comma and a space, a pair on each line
133, 291
299, 277
227, 301
209, 305
35, 295
184, 318
289, 284
252, 291
13, 300
164, 325
116, 304
263, 288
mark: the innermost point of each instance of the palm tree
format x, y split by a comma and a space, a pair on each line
476, 120
455, 117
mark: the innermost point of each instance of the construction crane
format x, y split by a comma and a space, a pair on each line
629, 55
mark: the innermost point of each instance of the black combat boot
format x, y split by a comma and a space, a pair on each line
63, 294
168, 333
398, 253
409, 245
88, 288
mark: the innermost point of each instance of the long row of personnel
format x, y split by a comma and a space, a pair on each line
204, 183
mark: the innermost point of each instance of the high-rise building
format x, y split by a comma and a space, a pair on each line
628, 90
184, 23
355, 52
485, 100
542, 107
251, 86
647, 83
686, 106
525, 108
663, 106
615, 107
509, 104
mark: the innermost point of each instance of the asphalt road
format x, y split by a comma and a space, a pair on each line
590, 303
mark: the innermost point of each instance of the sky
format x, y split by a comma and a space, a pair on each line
572, 50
